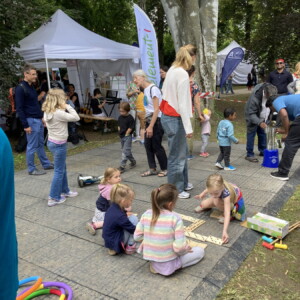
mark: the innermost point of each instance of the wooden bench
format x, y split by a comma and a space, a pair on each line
104, 119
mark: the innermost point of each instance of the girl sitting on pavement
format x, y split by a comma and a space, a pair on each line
111, 177
118, 228
225, 196
162, 237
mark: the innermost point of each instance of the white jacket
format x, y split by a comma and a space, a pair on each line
176, 91
57, 123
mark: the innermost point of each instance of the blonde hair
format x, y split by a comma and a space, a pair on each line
216, 181
297, 69
56, 99
119, 192
184, 57
161, 196
108, 174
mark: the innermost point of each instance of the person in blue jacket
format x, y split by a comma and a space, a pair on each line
225, 135
8, 239
118, 228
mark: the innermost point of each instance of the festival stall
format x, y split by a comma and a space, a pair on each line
242, 70
91, 60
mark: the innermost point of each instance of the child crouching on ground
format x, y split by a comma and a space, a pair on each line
111, 177
118, 229
162, 237
225, 196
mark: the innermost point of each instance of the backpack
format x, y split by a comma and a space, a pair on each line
145, 97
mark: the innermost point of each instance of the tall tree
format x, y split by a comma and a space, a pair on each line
195, 22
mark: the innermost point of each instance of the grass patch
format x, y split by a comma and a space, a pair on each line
267, 274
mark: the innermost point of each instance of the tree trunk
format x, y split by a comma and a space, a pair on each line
195, 22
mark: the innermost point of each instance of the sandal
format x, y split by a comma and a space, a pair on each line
199, 209
251, 159
149, 173
162, 173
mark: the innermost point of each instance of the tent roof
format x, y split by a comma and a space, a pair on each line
63, 38
226, 50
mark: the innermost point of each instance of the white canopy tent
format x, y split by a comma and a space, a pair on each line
61, 38
242, 70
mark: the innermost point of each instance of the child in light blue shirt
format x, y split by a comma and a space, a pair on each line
225, 135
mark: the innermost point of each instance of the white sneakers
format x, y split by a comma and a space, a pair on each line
184, 194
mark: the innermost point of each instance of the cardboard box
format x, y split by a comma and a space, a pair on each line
268, 225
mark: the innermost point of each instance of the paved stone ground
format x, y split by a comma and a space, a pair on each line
54, 244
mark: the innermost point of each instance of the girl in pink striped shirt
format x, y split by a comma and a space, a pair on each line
162, 237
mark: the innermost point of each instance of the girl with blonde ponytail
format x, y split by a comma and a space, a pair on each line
176, 108
225, 196
162, 237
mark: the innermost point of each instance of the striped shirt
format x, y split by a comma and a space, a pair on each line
164, 241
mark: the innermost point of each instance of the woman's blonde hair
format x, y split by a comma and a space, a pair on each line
141, 73
160, 197
119, 192
216, 181
297, 69
56, 99
184, 57
108, 173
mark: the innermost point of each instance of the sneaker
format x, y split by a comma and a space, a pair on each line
53, 202
189, 187
37, 172
70, 194
203, 154
206, 154
112, 252
142, 142
184, 195
190, 157
132, 164
121, 169
91, 229
221, 220
199, 209
152, 269
50, 167
130, 249
279, 176
219, 165
230, 168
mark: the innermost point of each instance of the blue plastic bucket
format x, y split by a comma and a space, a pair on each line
271, 158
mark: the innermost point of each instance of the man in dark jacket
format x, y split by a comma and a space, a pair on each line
256, 115
30, 114
280, 77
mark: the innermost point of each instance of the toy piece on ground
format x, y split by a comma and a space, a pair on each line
204, 238
216, 214
269, 225
194, 225
291, 228
268, 246
87, 180
192, 244
188, 218
267, 239
281, 246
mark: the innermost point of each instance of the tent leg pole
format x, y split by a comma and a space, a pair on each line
47, 71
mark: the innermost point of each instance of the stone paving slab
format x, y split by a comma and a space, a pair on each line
54, 243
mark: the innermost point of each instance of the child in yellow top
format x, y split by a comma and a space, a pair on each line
140, 117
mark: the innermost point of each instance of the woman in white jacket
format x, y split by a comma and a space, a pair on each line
176, 109
57, 114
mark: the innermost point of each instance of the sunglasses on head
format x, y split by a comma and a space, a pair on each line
279, 63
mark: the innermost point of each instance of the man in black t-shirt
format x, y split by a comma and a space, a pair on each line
280, 77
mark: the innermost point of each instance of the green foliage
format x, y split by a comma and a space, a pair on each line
267, 29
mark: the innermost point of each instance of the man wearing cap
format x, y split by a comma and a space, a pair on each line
280, 77
288, 108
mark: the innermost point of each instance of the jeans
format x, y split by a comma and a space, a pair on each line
229, 86
126, 143
292, 144
154, 147
262, 140
35, 144
224, 154
177, 160
59, 183
128, 237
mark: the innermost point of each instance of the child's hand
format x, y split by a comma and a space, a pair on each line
198, 197
128, 209
189, 249
225, 238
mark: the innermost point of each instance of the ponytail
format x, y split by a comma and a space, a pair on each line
160, 197
231, 190
184, 57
